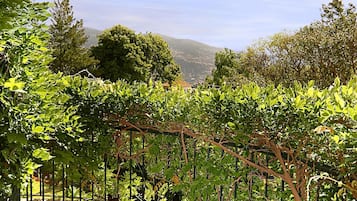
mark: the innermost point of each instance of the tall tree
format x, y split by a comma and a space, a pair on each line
123, 54
67, 40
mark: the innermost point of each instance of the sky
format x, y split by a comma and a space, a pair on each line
233, 24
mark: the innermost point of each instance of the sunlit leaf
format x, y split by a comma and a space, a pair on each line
42, 154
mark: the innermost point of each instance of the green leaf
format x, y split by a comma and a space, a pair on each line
310, 92
69, 129
37, 129
12, 84
17, 138
337, 82
336, 138
299, 103
339, 100
63, 98
42, 154
221, 96
31, 167
231, 125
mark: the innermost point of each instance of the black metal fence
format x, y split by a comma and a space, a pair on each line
54, 182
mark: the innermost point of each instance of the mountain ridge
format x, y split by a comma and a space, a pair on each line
195, 58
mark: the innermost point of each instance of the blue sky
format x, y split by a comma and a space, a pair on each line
224, 23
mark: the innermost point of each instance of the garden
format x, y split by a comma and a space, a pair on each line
70, 137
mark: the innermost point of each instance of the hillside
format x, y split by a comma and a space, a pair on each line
92, 36
196, 59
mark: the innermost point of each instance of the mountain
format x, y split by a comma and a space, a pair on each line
196, 59
92, 36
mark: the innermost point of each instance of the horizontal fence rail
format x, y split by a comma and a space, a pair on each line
56, 182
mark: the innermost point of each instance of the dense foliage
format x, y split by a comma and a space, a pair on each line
67, 41
10, 9
202, 142
123, 54
34, 116
305, 131
321, 51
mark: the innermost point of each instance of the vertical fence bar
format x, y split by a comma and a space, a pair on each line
63, 183
43, 184
168, 155
181, 152
117, 176
194, 159
92, 181
66, 181
30, 187
80, 188
266, 178
236, 169
72, 189
130, 161
282, 189
39, 179
221, 186
105, 177
207, 175
53, 180
143, 147
27, 192
252, 180
143, 161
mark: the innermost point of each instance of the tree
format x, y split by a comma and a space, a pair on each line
234, 68
331, 44
163, 66
67, 40
321, 51
123, 54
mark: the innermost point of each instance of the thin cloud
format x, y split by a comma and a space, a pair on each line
226, 23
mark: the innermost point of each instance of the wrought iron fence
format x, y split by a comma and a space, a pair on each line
53, 181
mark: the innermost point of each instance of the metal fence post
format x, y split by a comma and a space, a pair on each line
208, 157
221, 186
236, 169
53, 180
105, 177
63, 183
42, 180
30, 187
266, 178
282, 189
130, 162
194, 159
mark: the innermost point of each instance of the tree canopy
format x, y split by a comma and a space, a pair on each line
321, 51
123, 54
67, 41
